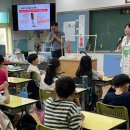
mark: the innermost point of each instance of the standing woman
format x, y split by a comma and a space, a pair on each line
125, 42
126, 39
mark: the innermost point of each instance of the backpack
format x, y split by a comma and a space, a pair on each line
90, 96
27, 122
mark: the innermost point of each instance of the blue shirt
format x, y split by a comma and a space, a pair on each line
56, 45
118, 100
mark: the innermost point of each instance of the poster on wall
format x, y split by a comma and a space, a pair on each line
126, 60
81, 41
69, 30
81, 30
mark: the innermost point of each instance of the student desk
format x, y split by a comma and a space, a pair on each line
106, 80
15, 80
15, 70
17, 104
95, 121
80, 90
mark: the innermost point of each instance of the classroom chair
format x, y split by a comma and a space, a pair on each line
30, 75
120, 112
45, 94
25, 74
41, 127
33, 85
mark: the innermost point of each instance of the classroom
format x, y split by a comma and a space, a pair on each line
64, 64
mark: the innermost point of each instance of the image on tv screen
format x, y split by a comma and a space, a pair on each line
33, 17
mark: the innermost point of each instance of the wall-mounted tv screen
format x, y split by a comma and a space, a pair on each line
33, 17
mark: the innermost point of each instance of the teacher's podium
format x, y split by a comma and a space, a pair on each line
69, 65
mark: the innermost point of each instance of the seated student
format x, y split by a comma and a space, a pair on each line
48, 79
62, 113
121, 96
34, 61
85, 68
6, 97
3, 73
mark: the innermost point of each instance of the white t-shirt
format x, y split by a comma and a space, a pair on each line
125, 41
2, 99
44, 86
33, 68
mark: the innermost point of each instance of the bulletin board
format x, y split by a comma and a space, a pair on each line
64, 17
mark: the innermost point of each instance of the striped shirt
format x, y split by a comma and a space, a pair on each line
62, 115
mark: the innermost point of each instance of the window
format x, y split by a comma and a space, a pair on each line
5, 32
4, 17
127, 1
3, 37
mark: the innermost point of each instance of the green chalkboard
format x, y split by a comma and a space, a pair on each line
109, 26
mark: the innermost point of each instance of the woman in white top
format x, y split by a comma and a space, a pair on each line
51, 75
126, 39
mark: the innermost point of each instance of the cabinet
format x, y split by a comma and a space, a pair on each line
112, 64
69, 67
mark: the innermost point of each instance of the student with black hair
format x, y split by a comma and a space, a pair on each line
62, 113
121, 96
48, 79
56, 41
85, 69
34, 61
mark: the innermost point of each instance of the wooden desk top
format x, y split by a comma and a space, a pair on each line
17, 63
107, 78
15, 80
80, 90
95, 121
16, 102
